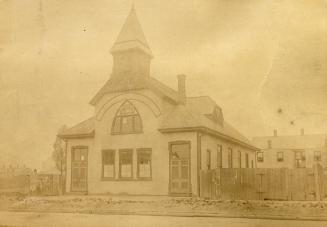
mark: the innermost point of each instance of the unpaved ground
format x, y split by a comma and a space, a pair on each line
165, 205
80, 220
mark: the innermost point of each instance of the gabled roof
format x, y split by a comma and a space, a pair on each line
192, 116
131, 36
292, 141
85, 129
189, 117
135, 83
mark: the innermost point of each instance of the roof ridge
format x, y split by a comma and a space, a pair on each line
158, 81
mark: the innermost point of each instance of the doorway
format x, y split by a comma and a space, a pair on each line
179, 168
79, 169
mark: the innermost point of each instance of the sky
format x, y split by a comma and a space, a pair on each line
264, 62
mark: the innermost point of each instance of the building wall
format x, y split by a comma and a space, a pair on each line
151, 109
270, 158
211, 143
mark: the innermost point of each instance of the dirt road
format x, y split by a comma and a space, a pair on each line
80, 220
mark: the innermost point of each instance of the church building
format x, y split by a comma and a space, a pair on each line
146, 138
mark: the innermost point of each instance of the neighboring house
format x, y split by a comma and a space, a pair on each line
145, 137
297, 151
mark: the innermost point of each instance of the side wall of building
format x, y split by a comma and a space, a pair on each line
211, 144
270, 159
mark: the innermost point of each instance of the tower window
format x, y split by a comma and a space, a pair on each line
127, 120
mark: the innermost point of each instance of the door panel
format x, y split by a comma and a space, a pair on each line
79, 169
179, 162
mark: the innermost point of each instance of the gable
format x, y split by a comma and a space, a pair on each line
128, 84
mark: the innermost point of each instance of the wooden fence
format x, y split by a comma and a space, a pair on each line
264, 184
15, 184
31, 184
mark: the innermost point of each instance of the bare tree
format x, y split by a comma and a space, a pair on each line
59, 154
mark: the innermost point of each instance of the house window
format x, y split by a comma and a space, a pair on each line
269, 144
127, 120
230, 158
317, 156
208, 159
299, 159
108, 164
144, 163
126, 164
219, 156
280, 156
239, 157
246, 160
260, 156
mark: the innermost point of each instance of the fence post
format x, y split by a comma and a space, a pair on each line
287, 184
317, 181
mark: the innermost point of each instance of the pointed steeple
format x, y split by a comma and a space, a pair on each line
131, 52
131, 36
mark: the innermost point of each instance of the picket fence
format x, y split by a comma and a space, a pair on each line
264, 184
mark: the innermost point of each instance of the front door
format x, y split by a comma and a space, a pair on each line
179, 162
79, 169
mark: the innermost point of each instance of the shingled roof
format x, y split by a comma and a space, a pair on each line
85, 129
189, 117
136, 83
193, 117
131, 36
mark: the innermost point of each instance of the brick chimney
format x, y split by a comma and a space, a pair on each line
181, 88
275, 132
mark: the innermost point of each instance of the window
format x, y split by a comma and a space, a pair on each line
126, 164
280, 156
144, 164
219, 156
127, 120
108, 164
230, 158
317, 156
239, 157
208, 159
269, 144
260, 156
79, 154
299, 159
246, 160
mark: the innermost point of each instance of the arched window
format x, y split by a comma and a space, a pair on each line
127, 120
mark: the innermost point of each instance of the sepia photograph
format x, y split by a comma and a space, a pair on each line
160, 113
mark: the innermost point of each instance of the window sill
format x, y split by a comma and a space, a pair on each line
126, 179
143, 179
126, 133
108, 179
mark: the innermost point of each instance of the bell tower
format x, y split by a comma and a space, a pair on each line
131, 52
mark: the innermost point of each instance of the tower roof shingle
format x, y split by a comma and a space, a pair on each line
131, 36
